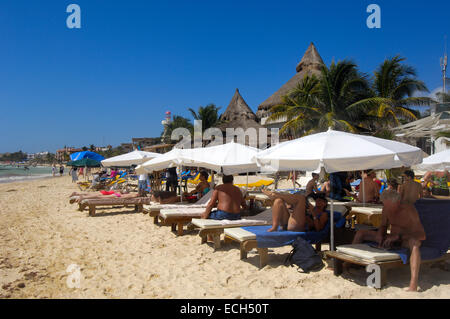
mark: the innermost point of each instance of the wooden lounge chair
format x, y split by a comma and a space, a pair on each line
367, 215
92, 203
153, 209
215, 228
247, 237
178, 217
435, 218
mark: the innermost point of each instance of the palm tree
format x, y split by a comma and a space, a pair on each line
393, 88
209, 115
318, 104
177, 122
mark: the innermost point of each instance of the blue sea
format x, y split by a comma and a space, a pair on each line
15, 174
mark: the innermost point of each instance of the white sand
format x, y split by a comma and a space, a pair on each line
123, 255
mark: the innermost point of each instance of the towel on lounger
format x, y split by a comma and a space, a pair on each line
435, 218
281, 238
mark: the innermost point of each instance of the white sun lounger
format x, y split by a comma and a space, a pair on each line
177, 217
214, 228
154, 209
367, 252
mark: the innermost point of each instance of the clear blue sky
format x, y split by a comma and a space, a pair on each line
114, 78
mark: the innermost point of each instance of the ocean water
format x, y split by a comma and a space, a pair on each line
14, 174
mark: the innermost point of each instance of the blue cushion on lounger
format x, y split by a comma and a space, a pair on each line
435, 217
281, 238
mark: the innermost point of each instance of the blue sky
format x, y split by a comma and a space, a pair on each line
114, 78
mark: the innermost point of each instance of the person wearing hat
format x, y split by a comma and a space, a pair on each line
410, 190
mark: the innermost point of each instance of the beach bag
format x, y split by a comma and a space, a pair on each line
304, 256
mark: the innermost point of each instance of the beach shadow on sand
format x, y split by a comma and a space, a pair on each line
114, 213
431, 275
274, 260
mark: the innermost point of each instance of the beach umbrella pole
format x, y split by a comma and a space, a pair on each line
331, 219
181, 188
247, 182
332, 226
293, 179
362, 189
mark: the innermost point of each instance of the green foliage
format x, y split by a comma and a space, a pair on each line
209, 115
394, 86
329, 102
344, 99
384, 133
443, 134
111, 152
13, 157
177, 122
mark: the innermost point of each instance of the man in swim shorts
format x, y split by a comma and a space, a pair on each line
229, 200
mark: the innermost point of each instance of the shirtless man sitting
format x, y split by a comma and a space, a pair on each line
410, 190
406, 230
229, 200
290, 212
368, 189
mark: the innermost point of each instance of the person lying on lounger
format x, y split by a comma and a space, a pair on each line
293, 213
78, 197
229, 200
406, 231
202, 189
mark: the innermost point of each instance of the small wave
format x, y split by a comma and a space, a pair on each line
11, 179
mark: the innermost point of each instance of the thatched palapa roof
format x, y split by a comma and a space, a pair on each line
238, 114
311, 63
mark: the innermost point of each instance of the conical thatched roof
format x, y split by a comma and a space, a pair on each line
238, 115
237, 109
311, 63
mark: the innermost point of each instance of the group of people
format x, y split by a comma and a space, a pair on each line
399, 215
170, 196
293, 212
54, 169
338, 186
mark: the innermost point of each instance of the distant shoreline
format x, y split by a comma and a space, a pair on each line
26, 179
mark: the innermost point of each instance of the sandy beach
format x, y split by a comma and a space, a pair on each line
122, 254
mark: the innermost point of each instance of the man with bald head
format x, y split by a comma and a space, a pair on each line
406, 231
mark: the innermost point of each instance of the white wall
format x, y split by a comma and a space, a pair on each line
442, 144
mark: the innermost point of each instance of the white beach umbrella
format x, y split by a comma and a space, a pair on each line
230, 158
436, 162
133, 158
166, 160
338, 151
